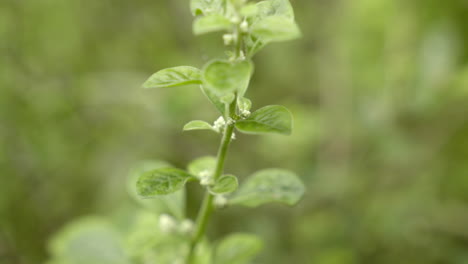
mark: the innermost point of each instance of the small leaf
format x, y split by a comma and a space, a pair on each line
275, 8
270, 185
203, 165
173, 203
225, 184
161, 181
175, 76
211, 23
276, 28
223, 76
268, 119
249, 10
205, 7
238, 248
244, 103
197, 125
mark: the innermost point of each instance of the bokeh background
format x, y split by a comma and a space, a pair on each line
378, 88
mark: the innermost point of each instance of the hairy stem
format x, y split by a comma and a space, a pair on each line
207, 205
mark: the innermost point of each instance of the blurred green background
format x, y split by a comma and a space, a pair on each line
378, 88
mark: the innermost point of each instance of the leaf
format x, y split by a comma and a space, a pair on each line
205, 7
268, 119
197, 125
200, 166
91, 240
211, 23
223, 76
176, 76
238, 248
275, 8
161, 181
244, 103
249, 10
225, 184
269, 185
276, 28
172, 203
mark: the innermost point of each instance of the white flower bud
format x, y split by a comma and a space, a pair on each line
206, 178
241, 55
220, 201
228, 39
244, 26
186, 227
233, 136
230, 121
245, 113
167, 224
219, 124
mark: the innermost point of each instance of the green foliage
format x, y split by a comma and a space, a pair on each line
211, 23
269, 185
224, 77
90, 240
268, 119
225, 184
172, 203
203, 165
225, 82
197, 125
176, 76
237, 248
161, 181
276, 28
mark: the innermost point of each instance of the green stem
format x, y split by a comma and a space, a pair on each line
208, 206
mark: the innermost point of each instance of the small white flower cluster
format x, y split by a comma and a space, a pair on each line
245, 113
168, 224
219, 124
220, 201
206, 178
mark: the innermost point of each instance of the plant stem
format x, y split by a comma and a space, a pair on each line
207, 205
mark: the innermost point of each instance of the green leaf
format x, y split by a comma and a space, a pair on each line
249, 10
268, 119
202, 165
238, 248
275, 8
276, 28
197, 125
225, 184
269, 185
175, 76
172, 203
205, 7
223, 76
161, 181
211, 23
90, 240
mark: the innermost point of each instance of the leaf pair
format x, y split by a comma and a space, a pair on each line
167, 180
265, 186
219, 76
